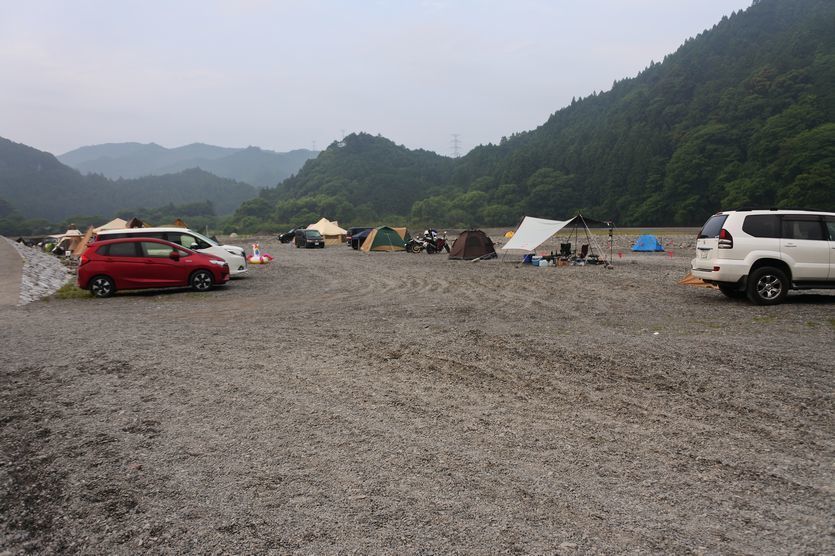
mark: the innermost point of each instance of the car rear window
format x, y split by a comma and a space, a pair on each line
762, 225
800, 227
713, 226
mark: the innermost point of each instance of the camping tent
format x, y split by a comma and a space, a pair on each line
69, 239
82, 243
333, 234
472, 244
136, 223
384, 239
115, 224
647, 243
404, 233
533, 232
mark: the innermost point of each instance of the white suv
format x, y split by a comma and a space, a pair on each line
235, 256
765, 253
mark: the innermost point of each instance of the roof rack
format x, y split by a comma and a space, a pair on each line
748, 209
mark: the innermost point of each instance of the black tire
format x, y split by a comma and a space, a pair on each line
430, 249
732, 291
102, 286
413, 247
767, 286
201, 281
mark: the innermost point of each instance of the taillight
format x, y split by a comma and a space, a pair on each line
83, 260
726, 241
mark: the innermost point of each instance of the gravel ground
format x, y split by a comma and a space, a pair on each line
43, 274
341, 402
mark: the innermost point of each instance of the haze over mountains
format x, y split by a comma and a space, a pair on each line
36, 185
252, 165
741, 115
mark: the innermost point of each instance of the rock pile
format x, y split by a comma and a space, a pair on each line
43, 274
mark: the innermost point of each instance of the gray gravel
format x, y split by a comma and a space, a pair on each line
43, 273
340, 402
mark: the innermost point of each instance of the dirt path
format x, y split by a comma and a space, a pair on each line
338, 402
11, 268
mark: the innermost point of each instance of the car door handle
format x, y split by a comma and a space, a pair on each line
790, 245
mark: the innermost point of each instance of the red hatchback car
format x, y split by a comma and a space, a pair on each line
141, 262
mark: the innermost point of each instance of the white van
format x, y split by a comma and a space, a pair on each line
235, 256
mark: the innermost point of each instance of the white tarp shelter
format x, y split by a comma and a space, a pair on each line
533, 232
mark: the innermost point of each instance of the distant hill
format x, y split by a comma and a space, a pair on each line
743, 114
251, 165
361, 179
37, 185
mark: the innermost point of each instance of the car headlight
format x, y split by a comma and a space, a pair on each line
219, 263
239, 252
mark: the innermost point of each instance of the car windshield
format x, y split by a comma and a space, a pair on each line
313, 234
208, 240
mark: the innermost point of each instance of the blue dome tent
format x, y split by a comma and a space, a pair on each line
647, 243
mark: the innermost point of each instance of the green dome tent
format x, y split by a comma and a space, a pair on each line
384, 239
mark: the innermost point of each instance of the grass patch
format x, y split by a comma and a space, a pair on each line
832, 323
811, 324
71, 291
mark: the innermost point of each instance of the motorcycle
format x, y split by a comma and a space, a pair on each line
432, 245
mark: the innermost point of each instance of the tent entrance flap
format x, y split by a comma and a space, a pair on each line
533, 232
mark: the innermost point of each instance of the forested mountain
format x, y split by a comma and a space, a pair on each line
36, 185
360, 179
258, 167
742, 114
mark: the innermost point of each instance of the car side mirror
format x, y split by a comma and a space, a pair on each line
174, 255
194, 246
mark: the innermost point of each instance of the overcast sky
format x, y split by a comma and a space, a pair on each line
285, 74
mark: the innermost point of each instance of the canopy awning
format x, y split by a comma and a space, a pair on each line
533, 232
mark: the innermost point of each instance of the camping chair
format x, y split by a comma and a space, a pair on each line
565, 249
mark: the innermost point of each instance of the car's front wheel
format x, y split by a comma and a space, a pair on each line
201, 281
767, 286
102, 286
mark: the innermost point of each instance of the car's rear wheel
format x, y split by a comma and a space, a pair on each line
767, 286
102, 286
732, 291
202, 281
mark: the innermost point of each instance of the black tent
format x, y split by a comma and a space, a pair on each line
472, 244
